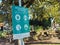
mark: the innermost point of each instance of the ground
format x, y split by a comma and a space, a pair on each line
39, 42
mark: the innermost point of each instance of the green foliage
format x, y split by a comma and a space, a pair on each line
0, 34
4, 33
43, 10
38, 28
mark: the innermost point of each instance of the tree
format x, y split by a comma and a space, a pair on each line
26, 3
43, 10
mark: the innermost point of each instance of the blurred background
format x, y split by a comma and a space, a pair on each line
44, 16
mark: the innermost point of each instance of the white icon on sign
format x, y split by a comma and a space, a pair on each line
18, 27
17, 17
25, 17
25, 26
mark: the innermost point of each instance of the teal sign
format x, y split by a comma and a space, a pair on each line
20, 22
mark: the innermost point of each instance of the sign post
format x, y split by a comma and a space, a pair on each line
20, 23
19, 41
19, 2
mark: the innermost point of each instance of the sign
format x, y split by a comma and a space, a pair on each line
20, 22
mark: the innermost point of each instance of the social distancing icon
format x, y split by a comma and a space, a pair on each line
17, 17
18, 27
25, 26
25, 17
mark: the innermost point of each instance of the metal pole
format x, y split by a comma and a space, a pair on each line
19, 2
20, 42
